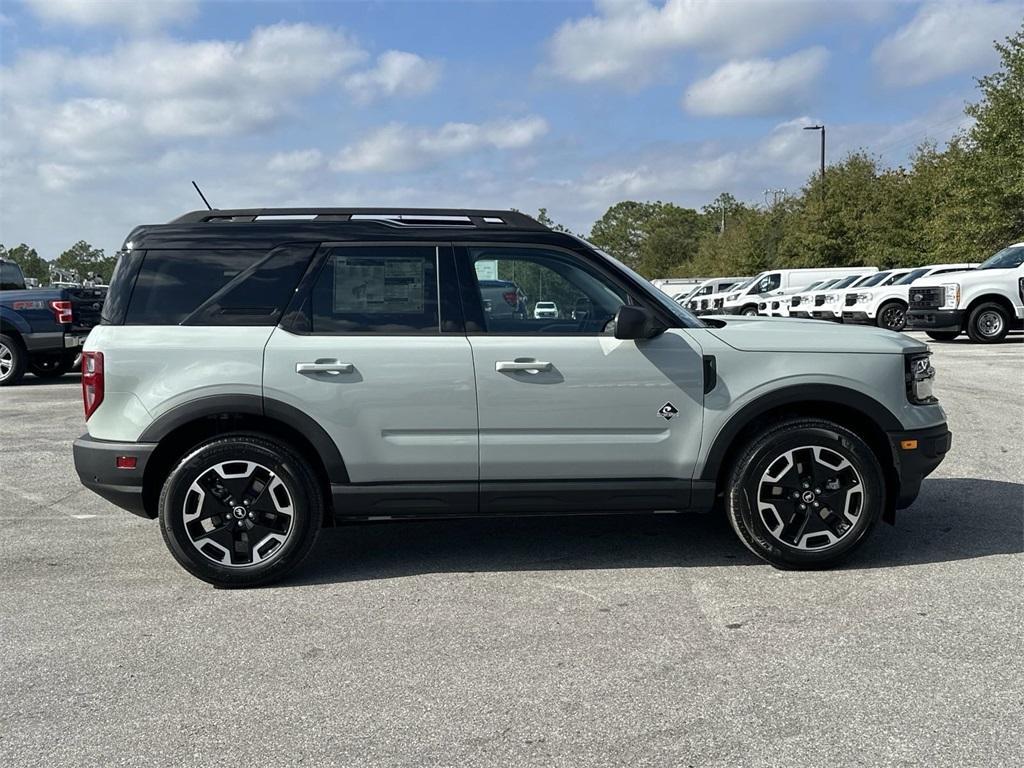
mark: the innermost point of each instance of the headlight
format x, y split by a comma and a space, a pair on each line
920, 376
952, 295
830, 299
864, 298
732, 297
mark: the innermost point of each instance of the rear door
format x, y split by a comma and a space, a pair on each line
375, 351
563, 402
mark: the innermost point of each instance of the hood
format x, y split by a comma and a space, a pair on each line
777, 334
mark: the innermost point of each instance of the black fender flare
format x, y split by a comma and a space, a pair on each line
881, 417
252, 405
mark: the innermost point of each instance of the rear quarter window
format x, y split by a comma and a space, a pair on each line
215, 286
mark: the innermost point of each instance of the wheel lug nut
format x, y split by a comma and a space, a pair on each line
816, 505
803, 506
817, 490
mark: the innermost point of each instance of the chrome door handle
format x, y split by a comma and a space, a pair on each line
530, 366
330, 366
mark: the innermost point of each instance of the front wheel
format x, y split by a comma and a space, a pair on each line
892, 316
750, 311
240, 510
988, 324
942, 335
804, 493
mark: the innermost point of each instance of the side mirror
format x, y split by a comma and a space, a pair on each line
635, 323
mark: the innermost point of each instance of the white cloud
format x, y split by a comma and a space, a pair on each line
218, 88
299, 161
139, 15
396, 73
627, 40
397, 147
945, 38
758, 86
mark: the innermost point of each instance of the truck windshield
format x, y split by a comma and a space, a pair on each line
1008, 258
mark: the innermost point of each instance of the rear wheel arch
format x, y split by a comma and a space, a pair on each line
854, 410
190, 424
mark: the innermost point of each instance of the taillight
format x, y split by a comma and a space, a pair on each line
92, 381
61, 311
511, 298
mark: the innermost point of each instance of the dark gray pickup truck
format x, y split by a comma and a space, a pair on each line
42, 329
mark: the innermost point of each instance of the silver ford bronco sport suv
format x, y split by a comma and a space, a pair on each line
261, 374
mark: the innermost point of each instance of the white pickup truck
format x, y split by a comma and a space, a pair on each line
985, 303
886, 305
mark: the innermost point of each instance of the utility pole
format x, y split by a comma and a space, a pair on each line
777, 194
822, 129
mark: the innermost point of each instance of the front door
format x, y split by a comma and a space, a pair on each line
560, 398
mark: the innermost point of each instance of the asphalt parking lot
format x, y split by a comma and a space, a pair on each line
586, 641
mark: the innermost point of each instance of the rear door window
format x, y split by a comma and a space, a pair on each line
376, 289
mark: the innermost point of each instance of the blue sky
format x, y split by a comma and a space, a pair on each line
109, 109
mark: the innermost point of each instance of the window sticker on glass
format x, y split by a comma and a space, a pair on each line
369, 284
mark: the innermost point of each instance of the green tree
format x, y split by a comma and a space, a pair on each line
82, 259
31, 263
547, 221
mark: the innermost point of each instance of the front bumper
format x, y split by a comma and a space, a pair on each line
935, 319
96, 464
826, 314
859, 318
916, 454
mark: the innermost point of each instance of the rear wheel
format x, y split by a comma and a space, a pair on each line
805, 493
240, 510
988, 324
892, 316
942, 335
12, 360
51, 366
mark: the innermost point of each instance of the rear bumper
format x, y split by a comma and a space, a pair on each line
914, 464
50, 342
858, 318
96, 464
935, 319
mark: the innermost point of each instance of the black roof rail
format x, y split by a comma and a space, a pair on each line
403, 217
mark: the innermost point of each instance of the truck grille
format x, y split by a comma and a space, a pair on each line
819, 300
718, 303
926, 298
851, 299
795, 301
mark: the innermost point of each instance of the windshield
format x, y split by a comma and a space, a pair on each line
846, 281
1008, 258
911, 276
740, 286
875, 279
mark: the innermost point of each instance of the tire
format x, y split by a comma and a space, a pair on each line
892, 316
942, 335
12, 360
51, 366
988, 323
774, 528
214, 543
750, 311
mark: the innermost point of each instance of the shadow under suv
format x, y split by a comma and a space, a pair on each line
257, 377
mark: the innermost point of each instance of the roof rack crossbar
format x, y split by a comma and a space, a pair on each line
432, 217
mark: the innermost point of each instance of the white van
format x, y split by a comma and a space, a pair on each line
697, 299
771, 282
